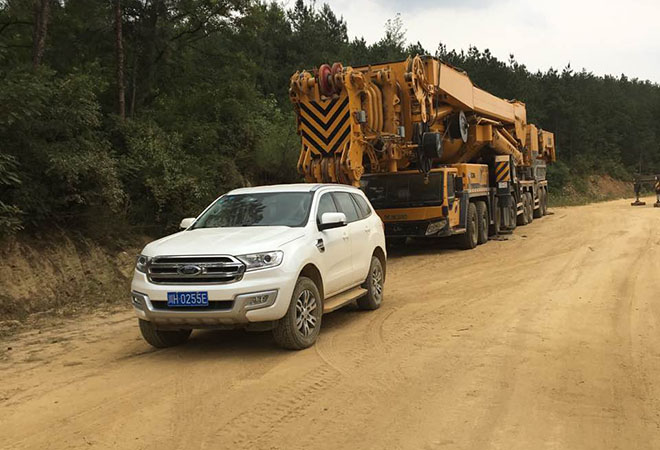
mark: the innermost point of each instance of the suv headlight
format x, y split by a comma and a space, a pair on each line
141, 263
256, 261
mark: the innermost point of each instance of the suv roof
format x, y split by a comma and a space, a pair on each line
296, 187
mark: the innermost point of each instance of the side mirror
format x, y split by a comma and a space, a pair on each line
186, 223
458, 184
332, 220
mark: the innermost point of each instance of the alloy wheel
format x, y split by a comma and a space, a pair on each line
306, 319
377, 282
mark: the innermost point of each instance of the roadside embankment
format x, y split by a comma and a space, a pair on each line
590, 189
60, 275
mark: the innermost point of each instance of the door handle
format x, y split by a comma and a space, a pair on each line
367, 229
345, 236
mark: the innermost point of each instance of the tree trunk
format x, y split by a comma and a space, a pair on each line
41, 16
134, 81
121, 96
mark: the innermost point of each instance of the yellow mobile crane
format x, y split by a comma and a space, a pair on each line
436, 155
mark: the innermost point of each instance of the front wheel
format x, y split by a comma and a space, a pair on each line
470, 238
301, 325
375, 284
162, 338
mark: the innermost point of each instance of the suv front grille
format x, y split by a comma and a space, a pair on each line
195, 269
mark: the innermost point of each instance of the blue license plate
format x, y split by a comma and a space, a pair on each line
176, 299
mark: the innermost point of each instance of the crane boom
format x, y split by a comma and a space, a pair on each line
412, 114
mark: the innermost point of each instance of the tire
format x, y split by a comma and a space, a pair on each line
512, 211
162, 338
538, 213
545, 202
482, 221
469, 239
375, 284
300, 326
521, 219
494, 229
530, 207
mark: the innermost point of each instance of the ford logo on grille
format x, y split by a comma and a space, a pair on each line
189, 269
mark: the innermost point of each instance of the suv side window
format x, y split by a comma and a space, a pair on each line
363, 207
326, 205
346, 205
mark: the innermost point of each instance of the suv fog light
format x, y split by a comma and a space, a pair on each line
258, 299
435, 227
137, 300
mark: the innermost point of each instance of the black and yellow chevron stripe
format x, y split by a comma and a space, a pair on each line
325, 126
502, 171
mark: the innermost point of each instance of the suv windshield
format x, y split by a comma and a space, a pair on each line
289, 209
403, 190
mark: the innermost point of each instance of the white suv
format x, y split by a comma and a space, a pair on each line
271, 257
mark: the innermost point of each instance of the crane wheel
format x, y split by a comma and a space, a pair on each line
530, 207
482, 219
521, 219
545, 202
324, 83
512, 211
470, 238
494, 229
538, 213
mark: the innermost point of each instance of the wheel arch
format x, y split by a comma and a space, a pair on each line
313, 273
380, 254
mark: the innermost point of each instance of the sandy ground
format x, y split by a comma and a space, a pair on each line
549, 339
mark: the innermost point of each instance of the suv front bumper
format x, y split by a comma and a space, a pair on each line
230, 304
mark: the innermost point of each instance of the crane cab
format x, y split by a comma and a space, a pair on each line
414, 205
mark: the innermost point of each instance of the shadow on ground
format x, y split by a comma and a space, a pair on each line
424, 246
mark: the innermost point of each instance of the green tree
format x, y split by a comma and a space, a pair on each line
207, 109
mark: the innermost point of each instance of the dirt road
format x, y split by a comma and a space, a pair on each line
550, 339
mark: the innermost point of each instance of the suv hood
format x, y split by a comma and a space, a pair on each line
223, 241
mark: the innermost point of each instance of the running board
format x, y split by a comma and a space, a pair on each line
337, 301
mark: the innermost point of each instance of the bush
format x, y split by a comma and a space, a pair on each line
10, 215
277, 146
166, 182
558, 175
50, 128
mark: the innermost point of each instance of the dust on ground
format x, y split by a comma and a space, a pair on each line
547, 339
